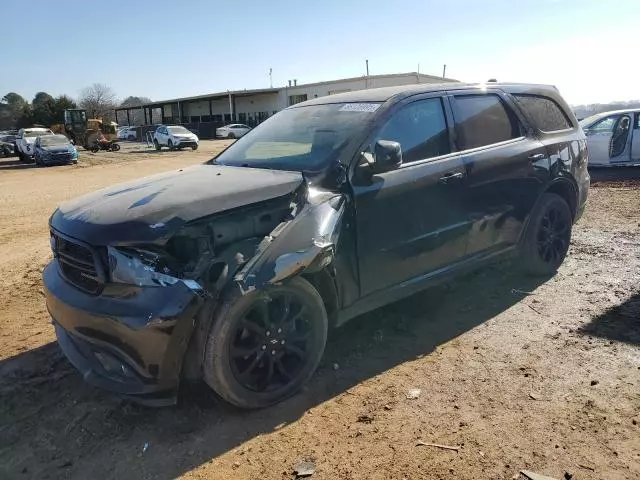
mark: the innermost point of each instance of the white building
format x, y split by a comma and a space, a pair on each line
205, 113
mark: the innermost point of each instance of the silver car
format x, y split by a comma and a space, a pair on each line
613, 138
235, 130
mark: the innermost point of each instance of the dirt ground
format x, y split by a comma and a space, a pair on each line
515, 373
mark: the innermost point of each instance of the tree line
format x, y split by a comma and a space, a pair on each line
583, 111
98, 100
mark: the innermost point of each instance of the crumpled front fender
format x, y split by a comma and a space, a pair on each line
306, 243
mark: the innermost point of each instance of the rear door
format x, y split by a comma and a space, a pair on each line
411, 220
505, 167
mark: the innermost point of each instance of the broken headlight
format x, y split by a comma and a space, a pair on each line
139, 267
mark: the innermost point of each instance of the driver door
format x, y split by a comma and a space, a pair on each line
599, 140
618, 150
411, 221
162, 135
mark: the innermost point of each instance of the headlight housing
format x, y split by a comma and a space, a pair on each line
139, 267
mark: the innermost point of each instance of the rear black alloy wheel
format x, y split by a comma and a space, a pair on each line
265, 345
548, 235
553, 240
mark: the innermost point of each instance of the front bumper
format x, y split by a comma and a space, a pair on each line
186, 143
128, 340
60, 159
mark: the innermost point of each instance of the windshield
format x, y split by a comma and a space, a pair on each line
181, 130
37, 133
53, 140
301, 138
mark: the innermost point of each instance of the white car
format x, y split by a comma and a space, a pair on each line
174, 136
127, 133
235, 130
613, 138
25, 140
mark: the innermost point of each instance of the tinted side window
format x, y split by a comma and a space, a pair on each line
545, 113
420, 128
483, 120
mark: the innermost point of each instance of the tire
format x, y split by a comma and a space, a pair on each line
21, 156
115, 147
547, 237
156, 144
231, 136
224, 357
95, 149
170, 144
194, 147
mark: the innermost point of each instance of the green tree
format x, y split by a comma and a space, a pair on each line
62, 103
15, 111
43, 109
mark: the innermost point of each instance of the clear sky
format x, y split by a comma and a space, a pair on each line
165, 49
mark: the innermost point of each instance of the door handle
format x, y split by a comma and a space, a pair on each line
451, 177
536, 156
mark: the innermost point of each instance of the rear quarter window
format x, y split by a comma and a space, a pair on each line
545, 113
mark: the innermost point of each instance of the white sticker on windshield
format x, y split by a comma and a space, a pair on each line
359, 107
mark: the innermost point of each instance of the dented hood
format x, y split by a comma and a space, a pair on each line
151, 209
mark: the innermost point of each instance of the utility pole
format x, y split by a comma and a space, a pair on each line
270, 78
444, 71
366, 82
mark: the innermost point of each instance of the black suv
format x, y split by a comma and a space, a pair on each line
233, 271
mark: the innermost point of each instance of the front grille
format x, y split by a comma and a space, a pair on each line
78, 264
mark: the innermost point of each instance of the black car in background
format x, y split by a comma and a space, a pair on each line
8, 145
233, 271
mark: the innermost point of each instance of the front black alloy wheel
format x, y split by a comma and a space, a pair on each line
265, 345
548, 235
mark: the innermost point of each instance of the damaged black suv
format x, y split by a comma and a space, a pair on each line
234, 270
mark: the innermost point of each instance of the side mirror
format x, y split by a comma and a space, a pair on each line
388, 156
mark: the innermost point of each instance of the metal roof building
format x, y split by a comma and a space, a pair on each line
205, 113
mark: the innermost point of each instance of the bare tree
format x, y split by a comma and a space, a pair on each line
99, 101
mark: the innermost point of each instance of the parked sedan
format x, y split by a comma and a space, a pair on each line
54, 149
11, 139
127, 133
613, 138
235, 130
6, 148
